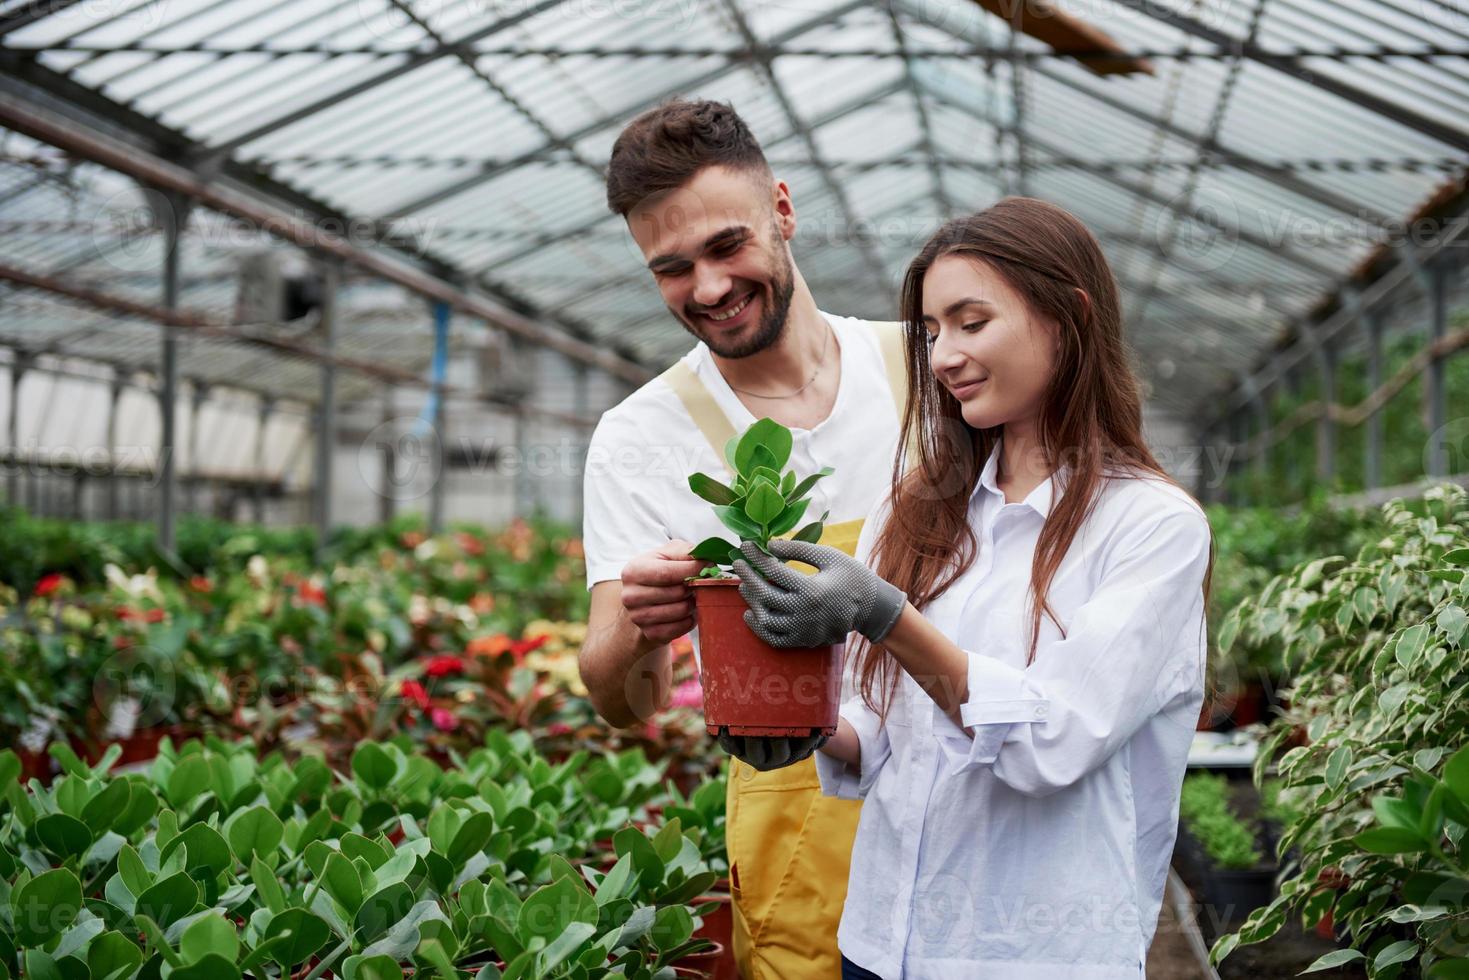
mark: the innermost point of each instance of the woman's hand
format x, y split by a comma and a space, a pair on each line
789, 609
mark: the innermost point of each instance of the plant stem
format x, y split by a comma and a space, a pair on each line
329, 959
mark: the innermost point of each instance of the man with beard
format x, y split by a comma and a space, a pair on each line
714, 225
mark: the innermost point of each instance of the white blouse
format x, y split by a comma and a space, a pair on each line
1033, 842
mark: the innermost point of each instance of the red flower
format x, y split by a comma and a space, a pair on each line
416, 694
311, 595
443, 719
520, 649
444, 665
469, 544
130, 615
201, 583
49, 584
558, 728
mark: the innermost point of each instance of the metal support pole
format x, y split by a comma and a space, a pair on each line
581, 404
1372, 462
18, 368
198, 395
440, 471
114, 396
170, 213
267, 406
387, 496
326, 419
1438, 465
1326, 425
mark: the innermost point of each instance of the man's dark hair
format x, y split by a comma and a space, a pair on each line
663, 149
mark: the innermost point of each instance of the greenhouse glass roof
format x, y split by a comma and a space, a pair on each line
1267, 153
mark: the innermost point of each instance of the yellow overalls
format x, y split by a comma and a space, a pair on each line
790, 847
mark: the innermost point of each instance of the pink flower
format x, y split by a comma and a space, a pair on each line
689, 694
443, 719
558, 728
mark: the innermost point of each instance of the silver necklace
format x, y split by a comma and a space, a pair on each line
826, 344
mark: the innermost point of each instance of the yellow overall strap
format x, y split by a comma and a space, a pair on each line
890, 339
700, 405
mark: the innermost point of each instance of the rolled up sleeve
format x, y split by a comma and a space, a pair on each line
843, 781
1133, 648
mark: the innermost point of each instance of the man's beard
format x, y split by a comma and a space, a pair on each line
773, 314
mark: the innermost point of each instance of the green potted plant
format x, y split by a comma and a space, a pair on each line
750, 687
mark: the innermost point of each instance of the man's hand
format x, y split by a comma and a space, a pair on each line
655, 596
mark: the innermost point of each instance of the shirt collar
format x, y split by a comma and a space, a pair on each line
1040, 500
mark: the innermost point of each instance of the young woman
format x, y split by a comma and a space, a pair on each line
1030, 610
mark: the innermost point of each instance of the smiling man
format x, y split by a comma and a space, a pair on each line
714, 226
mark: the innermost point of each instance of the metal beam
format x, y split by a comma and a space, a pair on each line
171, 213
326, 419
1280, 362
410, 64
1438, 465
157, 172
1402, 115
921, 108
543, 241
28, 13
597, 125
1203, 218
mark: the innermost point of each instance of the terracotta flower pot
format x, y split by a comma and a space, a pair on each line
753, 688
702, 964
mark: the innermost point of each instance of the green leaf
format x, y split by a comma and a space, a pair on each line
1410, 645
373, 766
45, 906
773, 437
549, 910
343, 883
471, 838
307, 933
1337, 765
10, 769
804, 487
1390, 840
169, 900
764, 504
731, 447
1459, 556
372, 968
1456, 774
713, 549
789, 518
113, 953
1453, 620
267, 886
565, 945
205, 849
711, 489
63, 835
255, 832
1455, 969
734, 518
188, 779
107, 806
211, 967
382, 909
811, 533
210, 933
1336, 957
1399, 952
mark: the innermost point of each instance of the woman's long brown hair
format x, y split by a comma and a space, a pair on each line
1090, 421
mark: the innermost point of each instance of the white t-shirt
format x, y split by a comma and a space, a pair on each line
643, 451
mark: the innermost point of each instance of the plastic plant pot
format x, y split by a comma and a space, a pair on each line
753, 688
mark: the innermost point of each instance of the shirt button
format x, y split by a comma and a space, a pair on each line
1040, 711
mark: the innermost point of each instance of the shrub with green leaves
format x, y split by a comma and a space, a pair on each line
214, 864
1377, 644
1226, 838
765, 501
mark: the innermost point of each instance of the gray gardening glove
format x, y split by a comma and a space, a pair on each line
789, 609
766, 754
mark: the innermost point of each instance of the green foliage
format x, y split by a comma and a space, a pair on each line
1226, 838
765, 501
261, 868
1380, 788
1290, 475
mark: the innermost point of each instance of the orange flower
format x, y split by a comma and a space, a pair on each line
482, 603
469, 544
311, 595
488, 646
520, 649
201, 583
